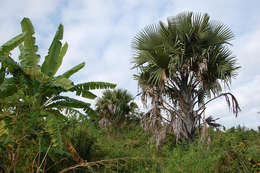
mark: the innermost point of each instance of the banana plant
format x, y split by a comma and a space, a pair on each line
33, 92
40, 80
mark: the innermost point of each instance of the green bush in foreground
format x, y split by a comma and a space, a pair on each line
32, 103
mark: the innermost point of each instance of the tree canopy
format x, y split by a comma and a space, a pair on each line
116, 106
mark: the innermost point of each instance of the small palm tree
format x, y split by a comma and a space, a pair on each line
116, 106
181, 64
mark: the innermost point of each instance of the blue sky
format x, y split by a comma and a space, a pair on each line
99, 32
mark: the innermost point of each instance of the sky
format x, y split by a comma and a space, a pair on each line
99, 32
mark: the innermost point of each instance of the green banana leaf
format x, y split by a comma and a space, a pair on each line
28, 56
52, 60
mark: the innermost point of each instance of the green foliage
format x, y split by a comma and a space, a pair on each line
73, 70
83, 88
236, 150
53, 59
28, 56
11, 44
32, 117
84, 136
54, 128
227, 152
35, 119
117, 106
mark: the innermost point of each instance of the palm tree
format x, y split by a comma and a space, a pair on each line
179, 64
116, 106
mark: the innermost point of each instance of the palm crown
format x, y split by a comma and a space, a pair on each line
116, 106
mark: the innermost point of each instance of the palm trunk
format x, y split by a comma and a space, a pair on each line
184, 124
189, 124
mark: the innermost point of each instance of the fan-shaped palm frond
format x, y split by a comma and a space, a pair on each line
147, 39
116, 106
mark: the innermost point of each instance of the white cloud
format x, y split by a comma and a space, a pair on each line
247, 50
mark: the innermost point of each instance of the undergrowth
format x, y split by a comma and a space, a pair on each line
234, 150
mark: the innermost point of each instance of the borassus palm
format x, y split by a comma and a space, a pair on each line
179, 64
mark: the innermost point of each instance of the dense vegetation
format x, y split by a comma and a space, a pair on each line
33, 106
42, 130
233, 150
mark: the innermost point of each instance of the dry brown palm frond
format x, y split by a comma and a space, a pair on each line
144, 99
205, 135
104, 123
72, 150
203, 66
148, 92
231, 102
177, 128
160, 137
204, 131
155, 94
152, 120
111, 109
